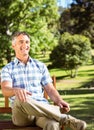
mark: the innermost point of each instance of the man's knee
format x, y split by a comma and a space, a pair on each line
19, 117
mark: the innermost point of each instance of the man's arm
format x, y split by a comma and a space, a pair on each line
9, 91
55, 97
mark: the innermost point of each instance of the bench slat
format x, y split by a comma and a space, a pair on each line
8, 125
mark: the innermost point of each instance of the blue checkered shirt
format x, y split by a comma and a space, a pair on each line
33, 77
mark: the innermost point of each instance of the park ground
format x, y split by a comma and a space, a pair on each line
78, 91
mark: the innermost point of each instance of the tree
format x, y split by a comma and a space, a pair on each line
38, 18
79, 19
4, 25
72, 52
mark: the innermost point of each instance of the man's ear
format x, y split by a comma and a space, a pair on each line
13, 45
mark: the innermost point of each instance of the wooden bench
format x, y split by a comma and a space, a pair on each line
8, 125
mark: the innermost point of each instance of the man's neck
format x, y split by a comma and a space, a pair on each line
23, 59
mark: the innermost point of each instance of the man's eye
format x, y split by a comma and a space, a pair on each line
27, 42
21, 42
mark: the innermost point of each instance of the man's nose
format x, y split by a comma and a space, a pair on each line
24, 44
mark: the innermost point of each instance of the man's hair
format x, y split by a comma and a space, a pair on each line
16, 34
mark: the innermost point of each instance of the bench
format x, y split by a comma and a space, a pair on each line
8, 125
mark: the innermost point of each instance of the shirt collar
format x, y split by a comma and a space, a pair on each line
17, 61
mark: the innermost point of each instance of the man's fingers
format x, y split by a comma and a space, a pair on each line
64, 109
29, 93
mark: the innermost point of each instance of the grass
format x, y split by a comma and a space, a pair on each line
84, 78
77, 91
82, 106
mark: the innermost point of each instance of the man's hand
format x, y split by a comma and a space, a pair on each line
64, 106
64, 110
21, 94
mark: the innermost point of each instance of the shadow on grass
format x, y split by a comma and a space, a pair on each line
83, 109
85, 73
76, 92
88, 84
61, 77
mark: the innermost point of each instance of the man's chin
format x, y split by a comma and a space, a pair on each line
26, 54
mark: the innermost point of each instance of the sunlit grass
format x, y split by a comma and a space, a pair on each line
82, 107
84, 78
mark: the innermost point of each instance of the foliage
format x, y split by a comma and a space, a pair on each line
38, 18
79, 19
72, 52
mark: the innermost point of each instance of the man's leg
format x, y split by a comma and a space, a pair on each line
22, 110
35, 108
47, 124
44, 110
20, 118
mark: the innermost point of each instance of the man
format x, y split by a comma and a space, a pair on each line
24, 80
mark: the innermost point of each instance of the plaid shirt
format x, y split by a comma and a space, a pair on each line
33, 77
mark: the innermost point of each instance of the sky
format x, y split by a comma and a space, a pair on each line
64, 3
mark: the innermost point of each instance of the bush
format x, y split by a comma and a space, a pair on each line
71, 52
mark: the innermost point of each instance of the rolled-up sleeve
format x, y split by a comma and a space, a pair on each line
46, 78
5, 75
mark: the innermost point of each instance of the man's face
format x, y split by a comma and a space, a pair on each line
21, 45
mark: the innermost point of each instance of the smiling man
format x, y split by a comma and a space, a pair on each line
23, 80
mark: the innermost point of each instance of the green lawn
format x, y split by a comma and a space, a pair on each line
82, 106
84, 79
79, 91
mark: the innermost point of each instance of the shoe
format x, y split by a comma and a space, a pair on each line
74, 124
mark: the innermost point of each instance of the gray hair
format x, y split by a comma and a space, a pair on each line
16, 34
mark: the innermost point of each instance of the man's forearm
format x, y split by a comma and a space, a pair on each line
7, 91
